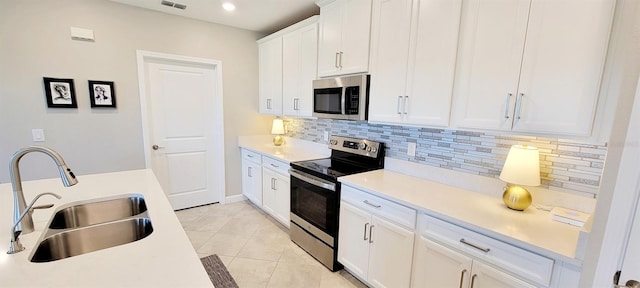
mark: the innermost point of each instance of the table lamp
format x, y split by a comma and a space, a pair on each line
277, 129
522, 167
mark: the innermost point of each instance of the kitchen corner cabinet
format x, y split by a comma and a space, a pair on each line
371, 244
413, 58
252, 176
270, 78
531, 65
276, 198
344, 37
288, 66
299, 69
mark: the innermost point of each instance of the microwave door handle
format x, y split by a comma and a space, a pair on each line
343, 100
314, 181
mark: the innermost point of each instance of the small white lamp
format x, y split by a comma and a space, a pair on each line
522, 167
277, 129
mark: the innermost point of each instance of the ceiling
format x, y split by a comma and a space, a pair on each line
264, 16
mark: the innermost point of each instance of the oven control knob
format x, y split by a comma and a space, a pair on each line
333, 142
361, 146
374, 150
369, 149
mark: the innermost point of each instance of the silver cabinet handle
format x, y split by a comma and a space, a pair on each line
268, 103
340, 62
273, 165
406, 103
249, 171
506, 106
462, 277
371, 204
371, 231
473, 279
365, 231
296, 103
336, 60
519, 105
398, 108
156, 147
275, 184
485, 250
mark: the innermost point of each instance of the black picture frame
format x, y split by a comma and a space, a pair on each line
102, 94
60, 93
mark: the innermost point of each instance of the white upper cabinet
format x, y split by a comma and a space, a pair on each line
344, 37
288, 66
270, 77
299, 68
413, 58
531, 65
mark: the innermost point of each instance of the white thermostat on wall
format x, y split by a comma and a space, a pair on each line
82, 34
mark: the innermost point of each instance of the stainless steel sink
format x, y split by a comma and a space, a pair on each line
91, 212
73, 242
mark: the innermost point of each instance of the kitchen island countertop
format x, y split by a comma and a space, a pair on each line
163, 259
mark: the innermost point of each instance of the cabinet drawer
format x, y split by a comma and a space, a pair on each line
395, 212
251, 156
516, 261
276, 165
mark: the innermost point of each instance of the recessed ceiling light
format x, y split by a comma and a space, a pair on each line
228, 6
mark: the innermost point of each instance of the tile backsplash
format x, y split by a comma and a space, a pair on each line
565, 165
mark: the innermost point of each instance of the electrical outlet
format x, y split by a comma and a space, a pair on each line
411, 149
326, 135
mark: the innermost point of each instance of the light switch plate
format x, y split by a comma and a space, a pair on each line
411, 149
38, 135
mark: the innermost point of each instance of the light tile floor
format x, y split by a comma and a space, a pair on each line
256, 248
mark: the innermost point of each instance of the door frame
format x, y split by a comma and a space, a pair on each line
142, 57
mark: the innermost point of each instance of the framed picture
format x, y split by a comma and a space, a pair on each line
60, 93
102, 94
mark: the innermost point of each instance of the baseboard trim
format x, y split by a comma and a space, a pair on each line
234, 198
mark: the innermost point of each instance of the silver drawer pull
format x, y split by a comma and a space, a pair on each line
249, 155
485, 250
371, 204
274, 165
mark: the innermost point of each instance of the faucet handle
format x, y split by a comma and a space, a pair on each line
43, 206
16, 246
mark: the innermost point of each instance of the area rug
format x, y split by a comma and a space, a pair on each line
218, 273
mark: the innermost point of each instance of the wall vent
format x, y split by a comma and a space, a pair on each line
173, 4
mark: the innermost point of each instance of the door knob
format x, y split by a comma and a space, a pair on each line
156, 147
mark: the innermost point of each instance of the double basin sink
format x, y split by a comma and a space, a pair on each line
87, 226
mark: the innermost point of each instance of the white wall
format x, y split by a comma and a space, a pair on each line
35, 42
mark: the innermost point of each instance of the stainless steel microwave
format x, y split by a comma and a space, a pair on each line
343, 98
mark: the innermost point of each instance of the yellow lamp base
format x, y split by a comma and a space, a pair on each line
278, 140
516, 198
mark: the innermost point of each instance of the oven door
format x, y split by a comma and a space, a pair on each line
315, 201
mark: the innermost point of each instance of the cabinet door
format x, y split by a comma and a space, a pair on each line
390, 254
390, 32
432, 61
485, 276
329, 39
252, 182
491, 43
354, 44
438, 266
270, 78
562, 65
283, 199
353, 239
299, 68
269, 193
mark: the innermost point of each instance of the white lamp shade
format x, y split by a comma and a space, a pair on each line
522, 166
278, 127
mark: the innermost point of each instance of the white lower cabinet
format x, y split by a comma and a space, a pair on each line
252, 176
371, 245
275, 190
440, 267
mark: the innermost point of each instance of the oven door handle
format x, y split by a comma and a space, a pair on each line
313, 180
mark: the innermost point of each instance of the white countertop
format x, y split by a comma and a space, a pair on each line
163, 259
532, 229
291, 151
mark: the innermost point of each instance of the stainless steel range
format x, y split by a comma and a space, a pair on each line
315, 194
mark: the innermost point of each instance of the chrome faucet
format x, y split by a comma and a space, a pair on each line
16, 246
25, 223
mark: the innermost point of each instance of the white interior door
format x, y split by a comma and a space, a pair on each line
184, 130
